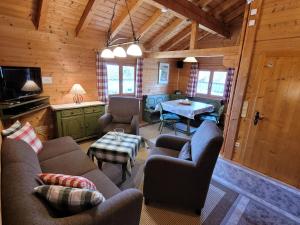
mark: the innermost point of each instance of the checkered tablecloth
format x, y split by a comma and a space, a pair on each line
109, 149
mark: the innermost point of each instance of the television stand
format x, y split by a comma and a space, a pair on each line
15, 109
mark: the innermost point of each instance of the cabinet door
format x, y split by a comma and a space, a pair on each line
91, 124
73, 126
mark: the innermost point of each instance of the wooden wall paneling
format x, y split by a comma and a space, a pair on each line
241, 83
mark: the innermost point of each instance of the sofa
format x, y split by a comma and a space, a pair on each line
20, 166
185, 183
123, 112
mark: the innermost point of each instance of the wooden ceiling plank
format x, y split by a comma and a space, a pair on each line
177, 38
41, 17
208, 52
122, 19
188, 9
149, 23
86, 16
227, 4
186, 44
163, 34
237, 12
194, 35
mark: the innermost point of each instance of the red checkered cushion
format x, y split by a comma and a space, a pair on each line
67, 181
27, 134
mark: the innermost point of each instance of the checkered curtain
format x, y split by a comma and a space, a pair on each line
101, 79
193, 79
229, 79
139, 77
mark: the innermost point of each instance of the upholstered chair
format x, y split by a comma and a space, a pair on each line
123, 112
185, 183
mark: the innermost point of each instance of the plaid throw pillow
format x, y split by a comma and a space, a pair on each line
27, 134
12, 129
73, 200
67, 181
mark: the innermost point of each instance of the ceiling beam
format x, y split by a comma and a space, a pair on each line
41, 16
149, 23
122, 19
194, 35
208, 52
191, 11
227, 4
177, 38
164, 34
86, 16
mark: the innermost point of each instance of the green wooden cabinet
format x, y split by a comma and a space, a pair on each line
79, 122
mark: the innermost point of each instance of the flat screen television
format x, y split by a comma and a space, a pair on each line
19, 82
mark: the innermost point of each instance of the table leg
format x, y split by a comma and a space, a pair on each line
188, 127
100, 164
124, 167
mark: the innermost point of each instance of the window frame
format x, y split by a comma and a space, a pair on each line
121, 77
210, 82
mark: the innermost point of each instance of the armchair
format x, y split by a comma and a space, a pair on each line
123, 112
181, 182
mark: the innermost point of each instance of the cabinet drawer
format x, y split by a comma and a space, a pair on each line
71, 112
94, 109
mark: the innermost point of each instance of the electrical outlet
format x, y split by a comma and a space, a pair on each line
251, 23
253, 12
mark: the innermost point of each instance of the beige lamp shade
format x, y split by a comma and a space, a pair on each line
77, 89
30, 86
190, 60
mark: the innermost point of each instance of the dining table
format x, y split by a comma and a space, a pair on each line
188, 109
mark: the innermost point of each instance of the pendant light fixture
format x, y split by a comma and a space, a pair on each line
133, 49
190, 60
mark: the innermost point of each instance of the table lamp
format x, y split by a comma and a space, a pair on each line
77, 90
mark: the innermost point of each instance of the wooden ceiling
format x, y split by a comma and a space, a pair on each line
157, 30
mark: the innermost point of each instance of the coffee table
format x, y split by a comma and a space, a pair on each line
121, 150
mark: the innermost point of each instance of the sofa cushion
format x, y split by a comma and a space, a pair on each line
57, 147
185, 152
18, 151
67, 181
110, 127
164, 152
73, 163
69, 199
102, 182
122, 119
27, 134
12, 129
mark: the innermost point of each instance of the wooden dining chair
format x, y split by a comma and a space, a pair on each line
167, 118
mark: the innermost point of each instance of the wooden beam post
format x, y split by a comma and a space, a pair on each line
122, 19
191, 11
237, 95
41, 16
194, 35
86, 16
149, 23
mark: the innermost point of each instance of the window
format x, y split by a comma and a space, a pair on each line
211, 83
121, 79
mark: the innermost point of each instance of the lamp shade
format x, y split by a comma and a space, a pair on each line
107, 53
190, 60
77, 89
30, 86
119, 52
134, 50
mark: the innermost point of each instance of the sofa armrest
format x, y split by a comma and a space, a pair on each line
171, 141
135, 124
168, 176
104, 120
121, 209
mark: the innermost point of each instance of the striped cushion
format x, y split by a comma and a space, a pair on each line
27, 134
12, 129
67, 180
69, 199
